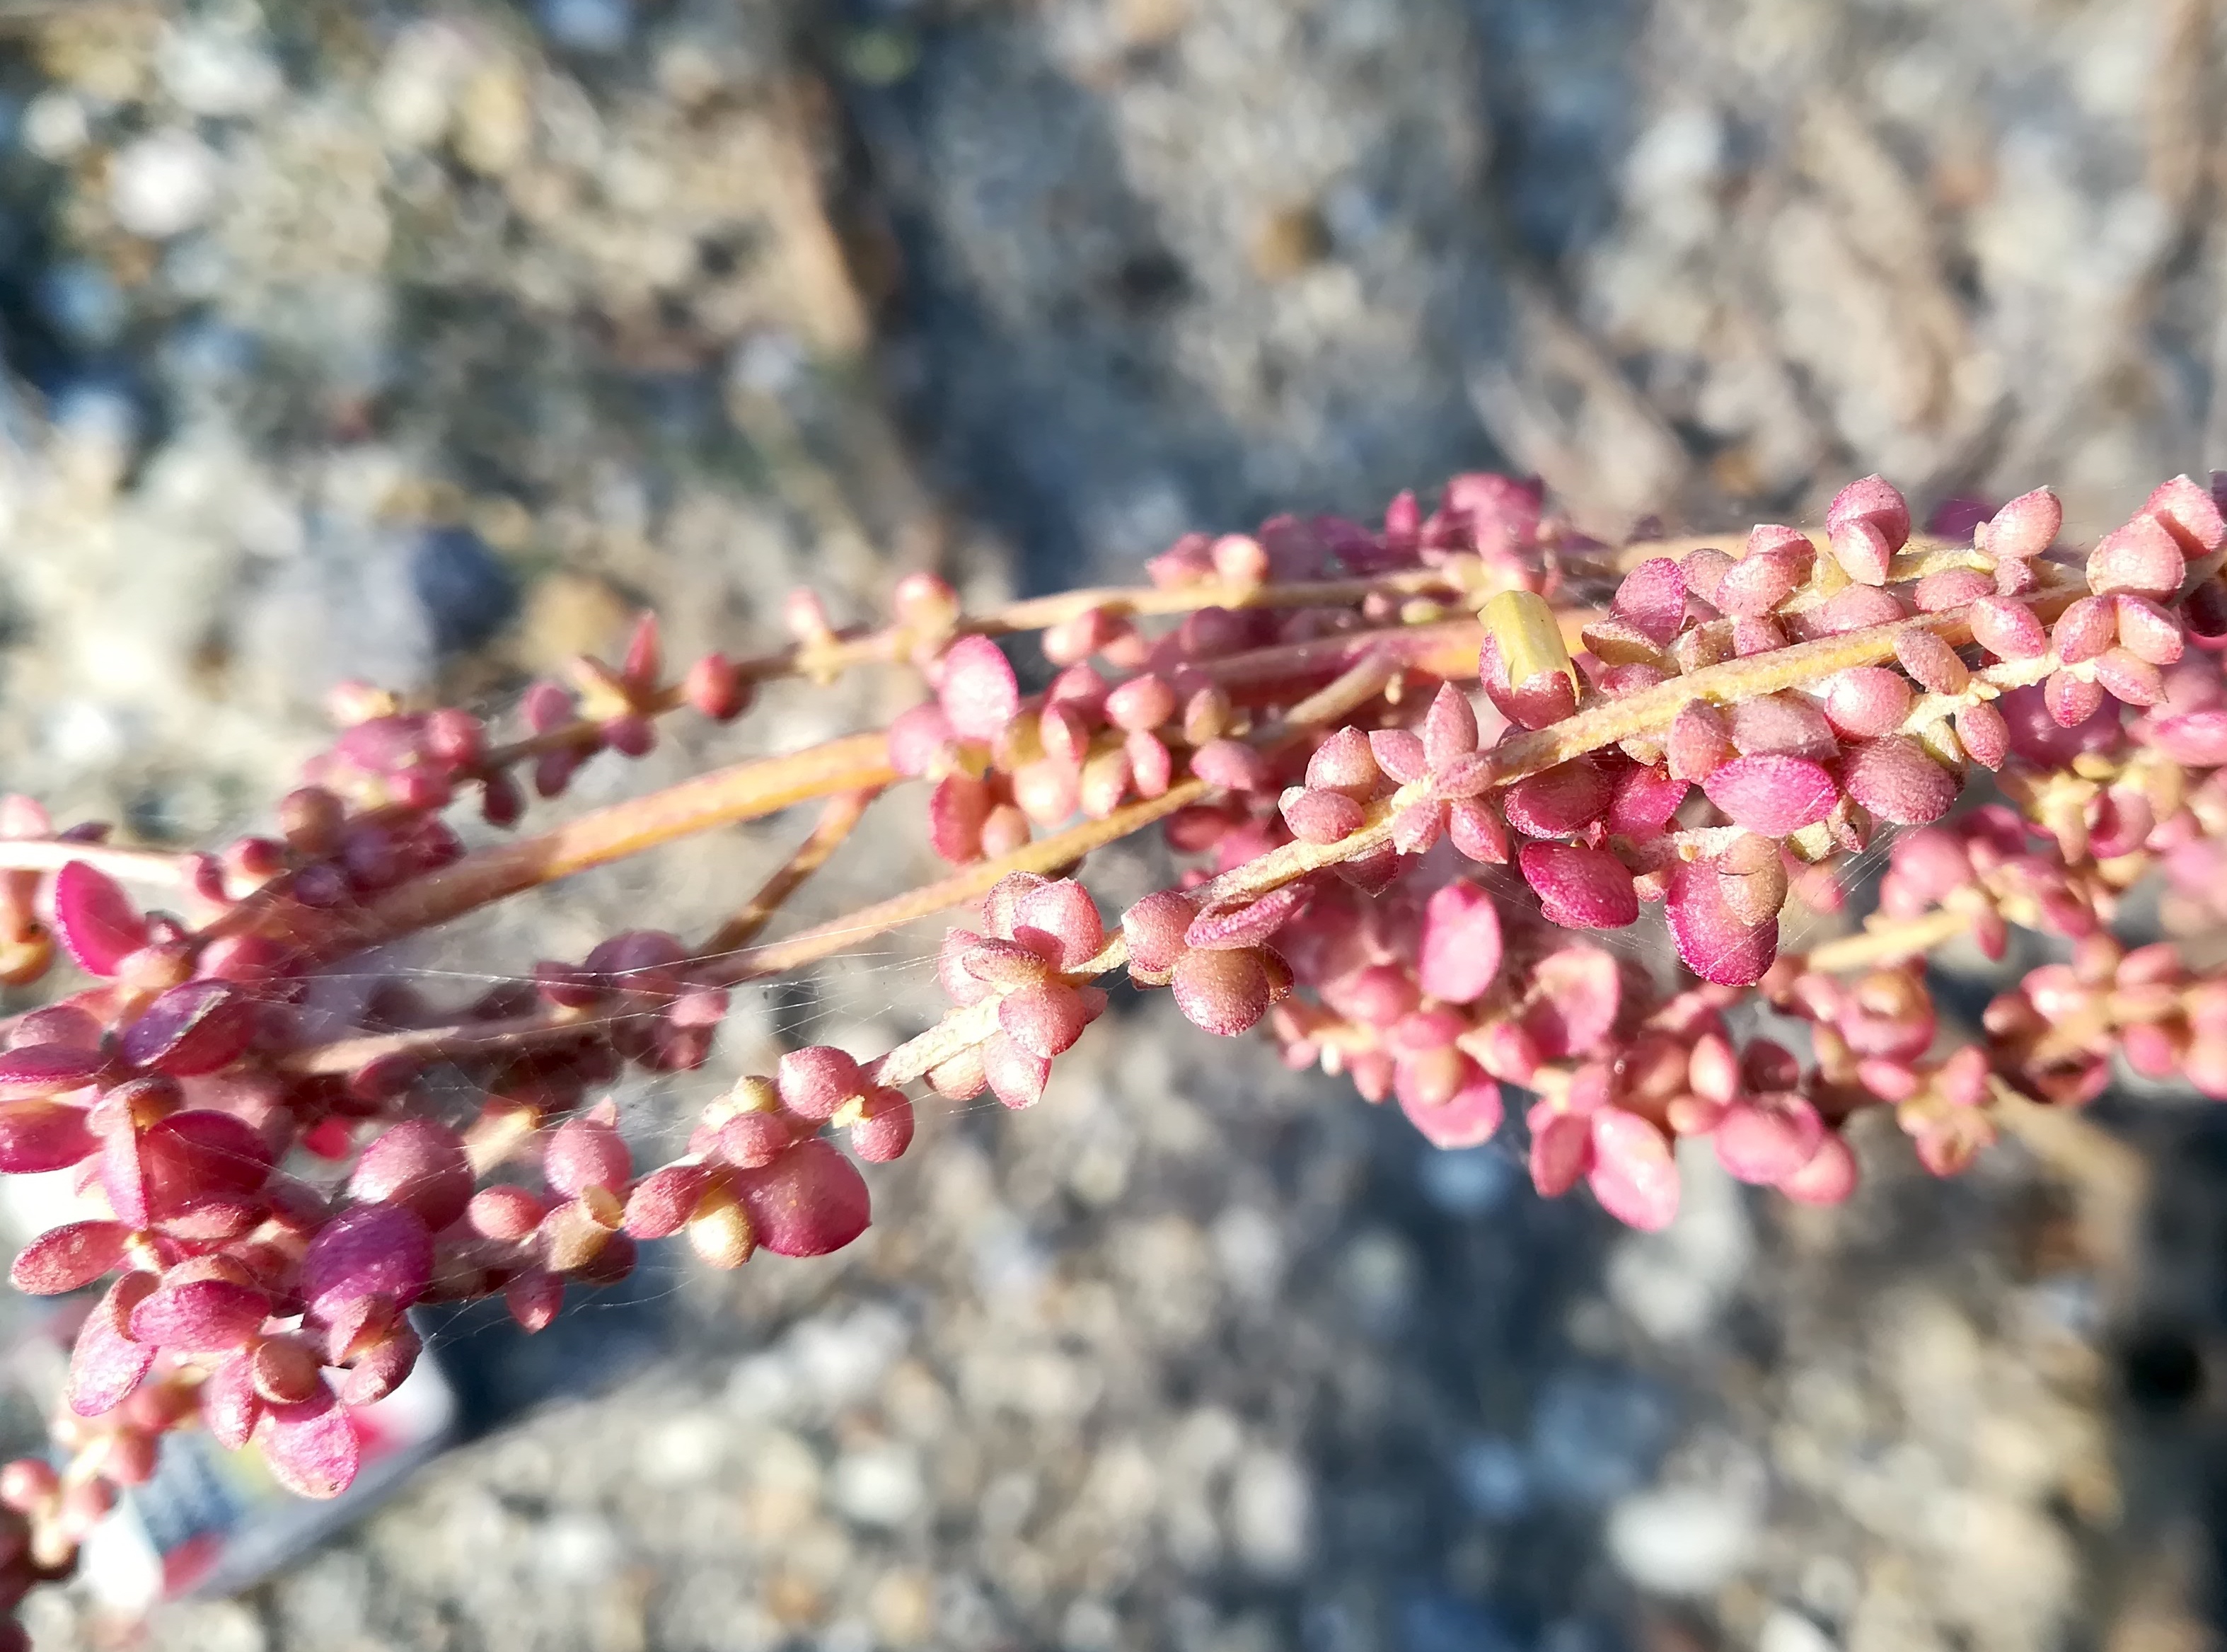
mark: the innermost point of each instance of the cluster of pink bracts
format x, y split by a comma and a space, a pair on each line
1395, 874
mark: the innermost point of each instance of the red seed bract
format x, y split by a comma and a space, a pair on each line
886, 1131
1575, 995
64, 1258
1828, 1179
1758, 584
816, 1080
2007, 629
312, 1447
1469, 1118
978, 693
2142, 557
1767, 1138
38, 1136
1652, 598
1876, 500
1645, 802
1865, 701
1699, 739
42, 1071
419, 1163
2025, 528
1896, 780
663, 1201
1793, 725
809, 1201
95, 920
584, 1153
1558, 802
1633, 1175
2197, 738
2187, 510
1716, 943
1224, 992
1935, 665
1580, 889
1459, 957
190, 1029
106, 1364
203, 1316
189, 1158
1771, 794
1155, 928
373, 1250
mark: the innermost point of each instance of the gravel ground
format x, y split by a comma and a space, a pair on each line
424, 341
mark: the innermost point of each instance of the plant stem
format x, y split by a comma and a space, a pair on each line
1044, 856
1923, 555
889, 644
743, 792
1041, 613
1652, 710
1519, 753
1445, 648
1361, 683
727, 967
1889, 940
837, 821
453, 1042
962, 1028
125, 865
747, 791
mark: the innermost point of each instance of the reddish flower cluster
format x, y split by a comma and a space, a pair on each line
1401, 876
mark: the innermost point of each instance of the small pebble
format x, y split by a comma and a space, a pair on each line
1788, 1630
83, 301
54, 125
164, 184
1467, 1181
596, 26
1681, 1540
467, 592
879, 1485
1594, 1435
1494, 1478
217, 73
1271, 1514
1434, 1622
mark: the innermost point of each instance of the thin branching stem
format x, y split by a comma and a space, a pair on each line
1361, 683
838, 819
744, 792
161, 867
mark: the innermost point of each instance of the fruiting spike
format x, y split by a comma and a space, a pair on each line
1290, 710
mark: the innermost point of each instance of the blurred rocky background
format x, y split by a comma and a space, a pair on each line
425, 340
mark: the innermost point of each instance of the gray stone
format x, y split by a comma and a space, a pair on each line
468, 592
596, 26
164, 184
